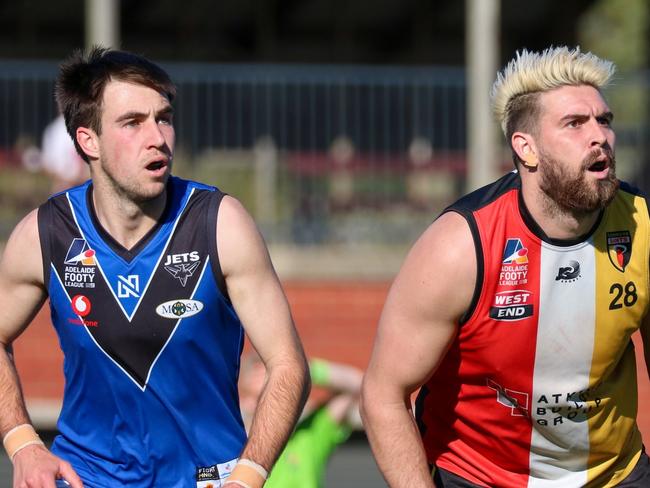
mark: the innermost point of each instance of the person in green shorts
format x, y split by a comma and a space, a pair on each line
327, 420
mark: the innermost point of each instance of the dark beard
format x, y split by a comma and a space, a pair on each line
572, 193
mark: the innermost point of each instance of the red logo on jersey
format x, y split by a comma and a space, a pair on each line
81, 305
516, 401
619, 249
511, 305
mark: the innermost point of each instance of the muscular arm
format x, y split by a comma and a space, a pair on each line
22, 293
21, 296
418, 324
260, 303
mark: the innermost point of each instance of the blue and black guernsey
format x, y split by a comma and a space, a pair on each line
151, 343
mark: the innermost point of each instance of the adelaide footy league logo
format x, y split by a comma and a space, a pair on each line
619, 248
515, 252
79, 253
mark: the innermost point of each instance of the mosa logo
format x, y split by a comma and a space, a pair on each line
79, 252
176, 309
515, 252
512, 305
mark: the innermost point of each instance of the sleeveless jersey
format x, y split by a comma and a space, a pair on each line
539, 387
151, 344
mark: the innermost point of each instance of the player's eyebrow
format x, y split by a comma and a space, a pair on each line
136, 115
133, 114
608, 116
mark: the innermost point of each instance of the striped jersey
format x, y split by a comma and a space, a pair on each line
539, 387
151, 344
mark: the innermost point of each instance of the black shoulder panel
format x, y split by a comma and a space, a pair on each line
487, 194
466, 207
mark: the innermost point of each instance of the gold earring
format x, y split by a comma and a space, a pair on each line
530, 161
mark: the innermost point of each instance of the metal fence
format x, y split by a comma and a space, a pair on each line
319, 154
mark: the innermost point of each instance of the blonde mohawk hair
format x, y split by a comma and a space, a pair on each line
532, 72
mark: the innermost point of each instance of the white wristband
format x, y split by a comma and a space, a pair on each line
19, 437
252, 464
247, 474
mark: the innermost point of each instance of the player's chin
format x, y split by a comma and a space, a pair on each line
149, 191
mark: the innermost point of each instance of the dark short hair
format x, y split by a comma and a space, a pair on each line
84, 75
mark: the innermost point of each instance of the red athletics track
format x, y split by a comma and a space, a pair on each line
335, 320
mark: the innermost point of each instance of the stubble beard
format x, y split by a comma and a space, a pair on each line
137, 194
574, 193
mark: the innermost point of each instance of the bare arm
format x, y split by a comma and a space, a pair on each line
418, 324
22, 293
260, 302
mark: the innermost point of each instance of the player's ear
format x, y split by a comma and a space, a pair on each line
88, 141
524, 146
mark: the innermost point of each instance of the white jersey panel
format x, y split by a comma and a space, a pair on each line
565, 342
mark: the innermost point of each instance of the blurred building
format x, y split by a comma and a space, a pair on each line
293, 31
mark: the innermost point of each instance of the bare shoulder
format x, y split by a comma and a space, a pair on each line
233, 213
22, 291
430, 294
21, 260
239, 241
442, 266
449, 234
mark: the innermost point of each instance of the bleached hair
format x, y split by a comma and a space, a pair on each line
534, 72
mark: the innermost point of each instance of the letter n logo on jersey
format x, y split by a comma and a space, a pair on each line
619, 248
515, 252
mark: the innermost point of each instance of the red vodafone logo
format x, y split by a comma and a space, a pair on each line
81, 305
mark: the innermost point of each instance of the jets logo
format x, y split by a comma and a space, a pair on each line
183, 265
182, 271
619, 249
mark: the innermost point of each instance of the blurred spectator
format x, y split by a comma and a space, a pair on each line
323, 426
60, 159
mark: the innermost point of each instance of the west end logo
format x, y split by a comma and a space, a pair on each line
619, 248
182, 266
177, 309
512, 305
